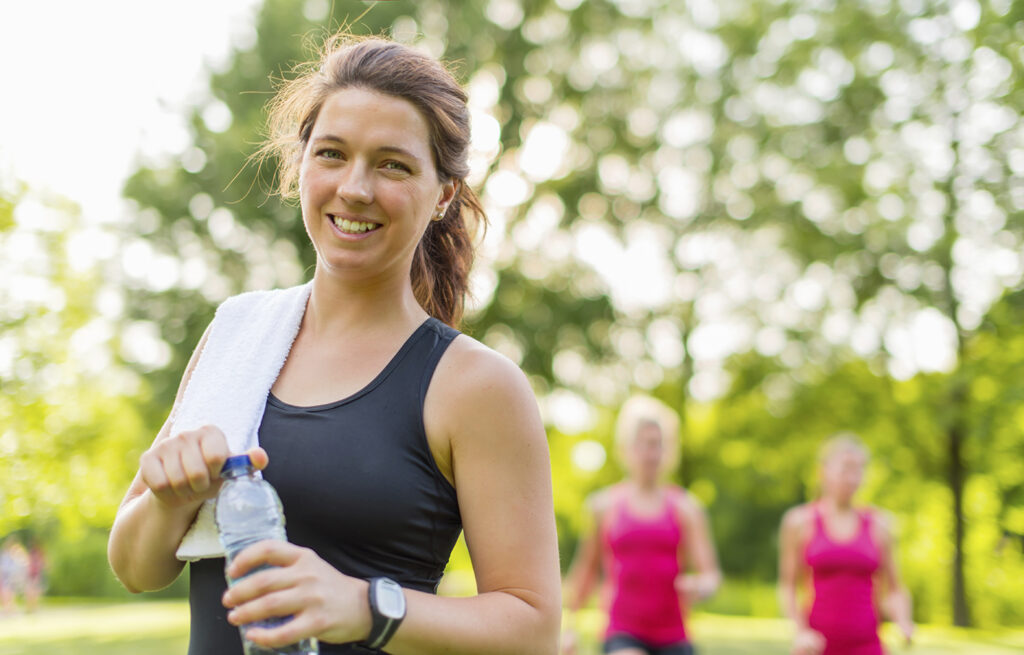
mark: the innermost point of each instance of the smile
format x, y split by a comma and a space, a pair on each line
353, 227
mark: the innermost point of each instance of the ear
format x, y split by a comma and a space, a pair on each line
449, 190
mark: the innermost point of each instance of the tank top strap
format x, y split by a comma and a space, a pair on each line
611, 512
442, 337
819, 519
673, 497
619, 505
867, 519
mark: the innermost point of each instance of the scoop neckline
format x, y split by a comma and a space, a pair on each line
371, 385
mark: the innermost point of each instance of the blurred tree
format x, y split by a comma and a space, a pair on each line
71, 409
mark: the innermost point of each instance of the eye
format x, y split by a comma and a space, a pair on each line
393, 165
329, 153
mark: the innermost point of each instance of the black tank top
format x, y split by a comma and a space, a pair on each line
359, 486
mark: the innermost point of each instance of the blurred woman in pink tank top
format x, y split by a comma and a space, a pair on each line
649, 538
847, 552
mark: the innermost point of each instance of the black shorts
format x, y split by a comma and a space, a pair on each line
622, 641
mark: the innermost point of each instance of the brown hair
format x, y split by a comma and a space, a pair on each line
444, 256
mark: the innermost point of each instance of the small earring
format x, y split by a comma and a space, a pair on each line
439, 216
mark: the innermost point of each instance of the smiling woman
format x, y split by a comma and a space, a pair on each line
385, 431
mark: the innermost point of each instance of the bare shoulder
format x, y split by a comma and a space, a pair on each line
600, 501
478, 391
882, 523
796, 519
686, 504
469, 370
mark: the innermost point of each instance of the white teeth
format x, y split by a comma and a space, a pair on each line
353, 227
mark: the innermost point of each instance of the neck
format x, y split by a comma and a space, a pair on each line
364, 307
836, 505
644, 485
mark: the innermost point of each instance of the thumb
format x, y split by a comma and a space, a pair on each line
259, 457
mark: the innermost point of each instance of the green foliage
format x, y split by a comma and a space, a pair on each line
77, 567
71, 419
804, 180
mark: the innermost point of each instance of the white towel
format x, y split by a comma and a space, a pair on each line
249, 340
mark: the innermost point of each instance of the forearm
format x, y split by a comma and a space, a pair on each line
497, 623
898, 606
579, 587
143, 541
790, 607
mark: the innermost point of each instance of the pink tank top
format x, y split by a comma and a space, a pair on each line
641, 562
843, 610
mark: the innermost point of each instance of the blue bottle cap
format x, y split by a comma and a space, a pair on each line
236, 463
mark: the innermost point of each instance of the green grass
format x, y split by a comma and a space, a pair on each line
161, 628
719, 634
153, 628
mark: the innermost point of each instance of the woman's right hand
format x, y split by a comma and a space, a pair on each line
569, 642
808, 642
184, 470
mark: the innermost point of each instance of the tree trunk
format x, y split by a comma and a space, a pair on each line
685, 466
957, 472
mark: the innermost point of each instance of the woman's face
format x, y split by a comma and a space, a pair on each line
842, 473
646, 452
368, 185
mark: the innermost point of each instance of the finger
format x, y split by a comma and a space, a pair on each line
258, 457
270, 552
301, 626
197, 475
214, 447
271, 605
261, 582
174, 469
152, 471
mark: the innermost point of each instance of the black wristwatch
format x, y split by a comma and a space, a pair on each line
387, 608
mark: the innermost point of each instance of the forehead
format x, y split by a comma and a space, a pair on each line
648, 430
847, 457
373, 119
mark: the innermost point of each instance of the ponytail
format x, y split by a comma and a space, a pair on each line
444, 258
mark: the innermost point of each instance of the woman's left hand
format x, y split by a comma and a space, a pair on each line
323, 602
907, 630
694, 587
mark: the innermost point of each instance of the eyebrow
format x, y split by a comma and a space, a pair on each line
392, 149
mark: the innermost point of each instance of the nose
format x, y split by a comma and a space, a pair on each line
354, 184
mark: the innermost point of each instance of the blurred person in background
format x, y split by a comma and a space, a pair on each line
386, 432
14, 566
847, 553
648, 538
35, 579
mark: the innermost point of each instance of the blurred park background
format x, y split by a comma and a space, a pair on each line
785, 218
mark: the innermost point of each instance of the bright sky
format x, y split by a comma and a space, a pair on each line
89, 87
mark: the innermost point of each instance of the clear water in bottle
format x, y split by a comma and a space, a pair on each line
248, 510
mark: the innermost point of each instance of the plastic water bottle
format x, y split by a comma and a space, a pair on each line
249, 510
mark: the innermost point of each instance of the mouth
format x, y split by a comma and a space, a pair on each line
349, 226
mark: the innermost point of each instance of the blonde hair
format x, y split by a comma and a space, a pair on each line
842, 442
640, 410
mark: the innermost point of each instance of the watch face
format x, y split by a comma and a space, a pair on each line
390, 600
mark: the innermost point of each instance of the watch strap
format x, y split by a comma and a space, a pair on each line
382, 628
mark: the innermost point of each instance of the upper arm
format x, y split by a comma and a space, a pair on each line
481, 403
791, 536
700, 547
588, 552
882, 529
137, 486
